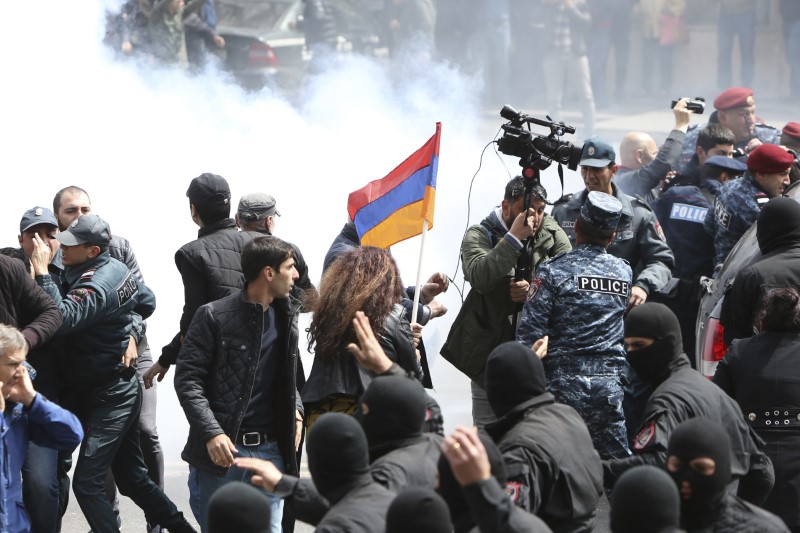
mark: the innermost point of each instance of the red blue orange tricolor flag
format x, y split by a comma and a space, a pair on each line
392, 209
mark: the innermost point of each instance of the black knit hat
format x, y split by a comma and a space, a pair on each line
239, 507
418, 510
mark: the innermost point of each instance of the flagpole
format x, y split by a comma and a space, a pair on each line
419, 271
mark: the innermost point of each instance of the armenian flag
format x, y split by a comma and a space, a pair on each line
392, 209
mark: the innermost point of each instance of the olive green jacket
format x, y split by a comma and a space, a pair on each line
489, 262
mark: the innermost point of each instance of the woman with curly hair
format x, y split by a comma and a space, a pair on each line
762, 374
363, 279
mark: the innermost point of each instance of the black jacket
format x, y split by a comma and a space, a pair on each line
494, 512
553, 468
215, 374
762, 373
211, 268
23, 304
687, 394
737, 516
360, 508
343, 375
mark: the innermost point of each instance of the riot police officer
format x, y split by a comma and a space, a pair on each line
578, 300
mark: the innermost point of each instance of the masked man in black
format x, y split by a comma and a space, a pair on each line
699, 461
655, 351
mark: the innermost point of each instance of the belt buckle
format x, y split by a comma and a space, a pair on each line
256, 439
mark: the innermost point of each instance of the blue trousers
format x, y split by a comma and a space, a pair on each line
208, 483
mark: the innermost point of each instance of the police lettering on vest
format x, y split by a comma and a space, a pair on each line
603, 285
688, 213
127, 290
721, 214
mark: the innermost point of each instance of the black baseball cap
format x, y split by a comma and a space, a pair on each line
35, 216
209, 189
89, 229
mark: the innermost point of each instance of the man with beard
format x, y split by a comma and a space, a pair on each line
553, 470
739, 202
490, 252
699, 461
778, 234
655, 351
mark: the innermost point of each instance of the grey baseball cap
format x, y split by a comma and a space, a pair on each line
256, 206
89, 229
35, 216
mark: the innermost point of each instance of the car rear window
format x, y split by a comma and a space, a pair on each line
254, 14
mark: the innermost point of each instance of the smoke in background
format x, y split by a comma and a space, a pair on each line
135, 136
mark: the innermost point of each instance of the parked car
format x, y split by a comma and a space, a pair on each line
710, 344
263, 45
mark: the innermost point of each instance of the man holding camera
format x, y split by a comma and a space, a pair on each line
644, 166
490, 253
735, 109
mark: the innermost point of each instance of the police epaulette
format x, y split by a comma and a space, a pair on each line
642, 201
563, 199
552, 259
761, 199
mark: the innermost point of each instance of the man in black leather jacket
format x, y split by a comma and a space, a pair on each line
236, 374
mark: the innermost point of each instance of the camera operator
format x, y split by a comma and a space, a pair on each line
644, 166
489, 252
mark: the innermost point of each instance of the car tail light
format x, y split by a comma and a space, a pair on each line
714, 347
261, 55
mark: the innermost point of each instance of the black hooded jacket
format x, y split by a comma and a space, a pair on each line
778, 234
686, 394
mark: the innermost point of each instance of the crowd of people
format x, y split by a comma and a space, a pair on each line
581, 372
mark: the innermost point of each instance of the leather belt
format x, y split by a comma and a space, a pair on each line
254, 438
773, 418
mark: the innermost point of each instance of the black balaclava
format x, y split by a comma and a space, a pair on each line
239, 507
418, 510
645, 500
514, 374
701, 437
337, 454
450, 490
653, 321
392, 413
778, 224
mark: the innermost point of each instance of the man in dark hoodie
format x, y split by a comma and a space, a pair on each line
653, 338
778, 234
343, 497
472, 475
699, 461
558, 482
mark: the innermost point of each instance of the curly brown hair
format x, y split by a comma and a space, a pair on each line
363, 279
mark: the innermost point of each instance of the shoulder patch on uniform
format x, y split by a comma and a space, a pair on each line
761, 199
721, 214
603, 285
514, 488
534, 287
688, 213
86, 276
79, 295
127, 289
660, 231
644, 437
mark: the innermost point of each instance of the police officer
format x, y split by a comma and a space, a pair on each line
653, 338
736, 109
738, 203
104, 305
790, 138
559, 483
638, 240
578, 300
681, 210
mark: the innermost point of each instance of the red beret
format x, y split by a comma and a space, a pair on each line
733, 98
769, 159
792, 129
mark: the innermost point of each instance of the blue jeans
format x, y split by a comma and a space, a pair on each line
209, 483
